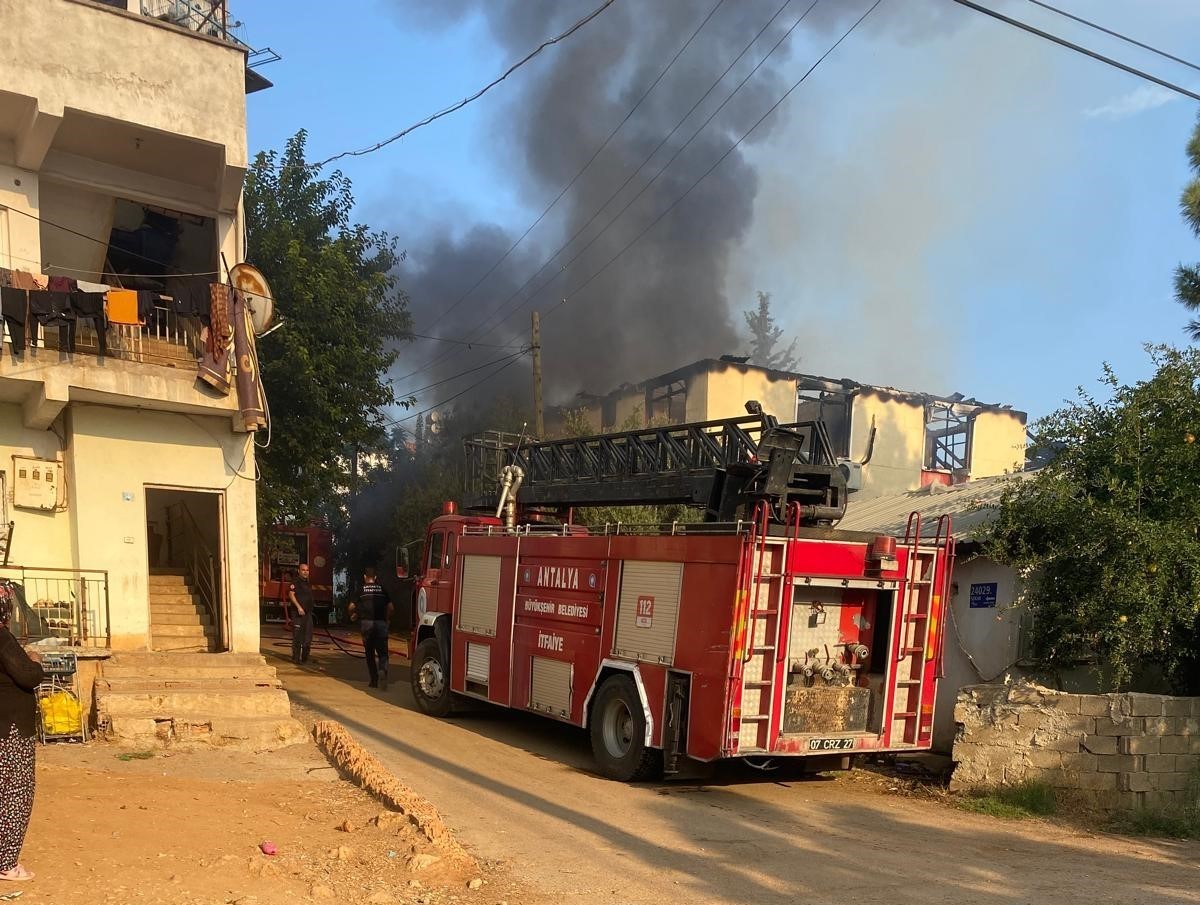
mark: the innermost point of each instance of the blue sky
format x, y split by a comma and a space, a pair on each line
969, 209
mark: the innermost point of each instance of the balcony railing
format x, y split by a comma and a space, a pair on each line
70, 605
165, 339
205, 17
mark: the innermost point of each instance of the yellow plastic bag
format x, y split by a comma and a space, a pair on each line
61, 714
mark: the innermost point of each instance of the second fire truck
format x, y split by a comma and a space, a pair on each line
760, 632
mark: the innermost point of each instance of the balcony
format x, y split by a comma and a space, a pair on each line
166, 339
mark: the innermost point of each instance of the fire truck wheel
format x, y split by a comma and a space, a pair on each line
618, 728
431, 679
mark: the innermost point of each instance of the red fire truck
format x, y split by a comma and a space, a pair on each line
760, 632
294, 544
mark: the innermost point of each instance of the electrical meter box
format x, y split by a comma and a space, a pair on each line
36, 483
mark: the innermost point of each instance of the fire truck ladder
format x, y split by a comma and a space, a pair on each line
756, 671
757, 631
726, 466
911, 724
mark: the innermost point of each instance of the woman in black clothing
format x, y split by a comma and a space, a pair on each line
20, 674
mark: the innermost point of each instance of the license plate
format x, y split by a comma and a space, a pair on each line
831, 744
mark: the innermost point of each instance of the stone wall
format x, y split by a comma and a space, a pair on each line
1114, 750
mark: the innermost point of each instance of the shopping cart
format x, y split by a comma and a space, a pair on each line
61, 716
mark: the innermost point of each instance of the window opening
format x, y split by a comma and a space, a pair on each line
947, 438
435, 550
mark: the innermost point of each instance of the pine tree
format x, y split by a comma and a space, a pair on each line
765, 335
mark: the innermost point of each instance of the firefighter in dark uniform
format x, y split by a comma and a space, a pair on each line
300, 596
374, 610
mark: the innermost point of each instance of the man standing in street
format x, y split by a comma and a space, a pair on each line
374, 607
300, 596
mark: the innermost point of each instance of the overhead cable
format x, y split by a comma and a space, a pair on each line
1115, 34
720, 159
1078, 48
484, 329
566, 188
474, 97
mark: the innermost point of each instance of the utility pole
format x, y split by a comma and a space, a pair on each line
539, 424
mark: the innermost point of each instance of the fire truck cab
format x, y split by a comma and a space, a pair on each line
762, 636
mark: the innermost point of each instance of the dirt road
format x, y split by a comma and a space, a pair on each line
518, 788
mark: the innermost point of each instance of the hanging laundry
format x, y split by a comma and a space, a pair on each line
214, 365
122, 307
5, 278
53, 309
249, 387
84, 286
146, 302
190, 296
22, 279
62, 284
90, 306
14, 307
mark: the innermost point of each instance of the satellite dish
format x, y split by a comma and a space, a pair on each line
249, 280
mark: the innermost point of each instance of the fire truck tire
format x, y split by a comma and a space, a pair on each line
431, 679
618, 728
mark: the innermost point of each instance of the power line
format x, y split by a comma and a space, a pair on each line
484, 329
523, 351
450, 399
74, 232
474, 97
679, 151
583, 169
720, 159
203, 273
1115, 34
463, 342
1063, 42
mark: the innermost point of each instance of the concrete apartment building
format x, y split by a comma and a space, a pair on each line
124, 477
904, 440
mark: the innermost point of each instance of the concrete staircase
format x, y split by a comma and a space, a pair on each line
178, 620
148, 700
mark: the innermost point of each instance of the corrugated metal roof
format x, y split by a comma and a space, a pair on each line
971, 506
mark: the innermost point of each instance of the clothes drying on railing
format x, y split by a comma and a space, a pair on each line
29, 302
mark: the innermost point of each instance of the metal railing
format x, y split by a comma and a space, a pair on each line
68, 604
165, 338
187, 549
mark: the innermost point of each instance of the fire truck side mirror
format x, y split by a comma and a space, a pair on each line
402, 562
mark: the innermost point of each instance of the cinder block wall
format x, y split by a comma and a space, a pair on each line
1114, 750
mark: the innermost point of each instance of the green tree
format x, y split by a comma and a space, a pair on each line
1106, 534
765, 336
1187, 277
324, 371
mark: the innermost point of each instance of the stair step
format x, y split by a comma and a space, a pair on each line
186, 671
257, 702
212, 684
158, 620
171, 598
153, 658
180, 646
190, 628
170, 580
259, 733
178, 609
186, 618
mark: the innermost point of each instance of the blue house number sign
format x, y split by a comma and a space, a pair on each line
983, 595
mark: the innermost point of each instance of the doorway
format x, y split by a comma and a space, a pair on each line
185, 557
